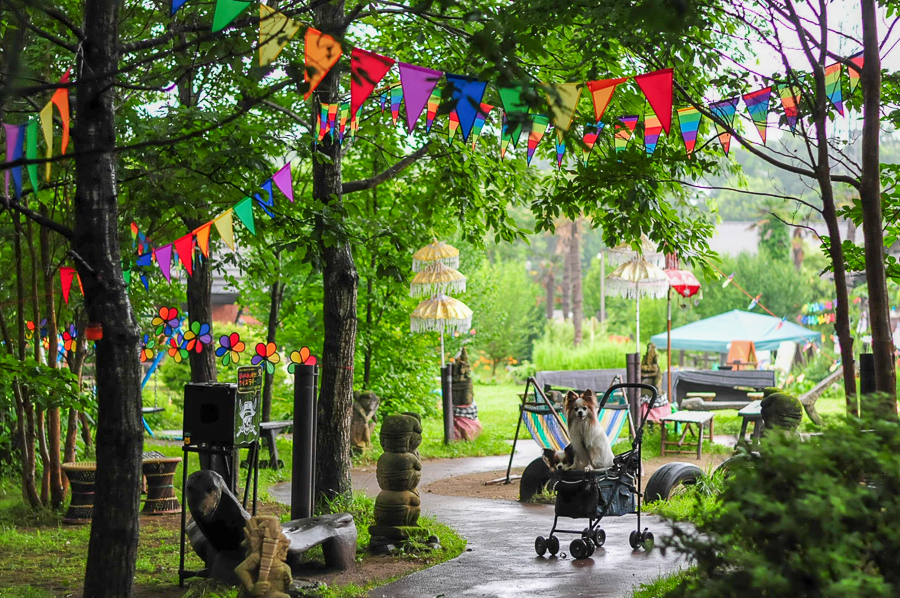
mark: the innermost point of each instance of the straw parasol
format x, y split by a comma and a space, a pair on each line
437, 278
636, 279
441, 314
436, 251
623, 252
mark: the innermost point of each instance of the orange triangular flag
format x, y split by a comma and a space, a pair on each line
322, 52
61, 100
203, 238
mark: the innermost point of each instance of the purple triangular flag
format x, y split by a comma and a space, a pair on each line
164, 260
15, 135
417, 82
283, 179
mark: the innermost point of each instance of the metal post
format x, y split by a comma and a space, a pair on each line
633, 376
669, 345
447, 395
602, 283
304, 449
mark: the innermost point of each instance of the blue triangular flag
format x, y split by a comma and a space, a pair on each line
145, 281
467, 94
176, 4
145, 260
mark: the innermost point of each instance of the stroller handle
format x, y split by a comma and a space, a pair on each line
616, 387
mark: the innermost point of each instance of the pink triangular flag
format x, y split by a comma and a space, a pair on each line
418, 82
164, 260
283, 179
66, 274
185, 248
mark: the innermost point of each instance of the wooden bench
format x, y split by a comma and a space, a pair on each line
693, 421
751, 413
269, 432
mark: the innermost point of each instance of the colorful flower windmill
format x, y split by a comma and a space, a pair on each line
166, 321
70, 337
197, 336
301, 357
147, 346
266, 353
230, 348
29, 330
177, 351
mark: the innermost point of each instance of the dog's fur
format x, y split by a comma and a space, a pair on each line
563, 459
589, 442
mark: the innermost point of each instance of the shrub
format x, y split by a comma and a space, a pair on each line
556, 351
804, 519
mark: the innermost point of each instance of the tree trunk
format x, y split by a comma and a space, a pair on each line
870, 198
577, 294
276, 297
199, 301
45, 455
370, 346
112, 550
340, 281
566, 294
550, 288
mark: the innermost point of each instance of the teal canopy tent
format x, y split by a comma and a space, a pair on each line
717, 332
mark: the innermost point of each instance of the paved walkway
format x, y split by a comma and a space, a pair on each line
499, 560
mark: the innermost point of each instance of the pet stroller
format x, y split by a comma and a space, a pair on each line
593, 495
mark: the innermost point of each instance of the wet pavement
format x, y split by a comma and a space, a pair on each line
500, 560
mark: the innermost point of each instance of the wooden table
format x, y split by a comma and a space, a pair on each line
693, 421
751, 413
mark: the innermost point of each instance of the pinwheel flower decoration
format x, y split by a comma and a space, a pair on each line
177, 351
147, 346
301, 357
70, 337
230, 348
29, 330
267, 354
197, 336
166, 321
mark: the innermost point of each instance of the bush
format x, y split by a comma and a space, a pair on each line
556, 351
805, 519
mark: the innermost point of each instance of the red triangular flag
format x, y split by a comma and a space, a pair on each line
657, 86
185, 248
367, 69
66, 274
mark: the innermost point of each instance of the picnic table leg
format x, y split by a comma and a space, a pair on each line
757, 429
700, 441
273, 449
711, 422
742, 437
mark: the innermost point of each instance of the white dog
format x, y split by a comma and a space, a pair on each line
589, 442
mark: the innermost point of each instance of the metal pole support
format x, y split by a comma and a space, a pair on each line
633, 376
304, 449
447, 396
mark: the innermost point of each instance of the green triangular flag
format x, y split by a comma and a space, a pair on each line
516, 112
226, 12
244, 211
31, 133
126, 274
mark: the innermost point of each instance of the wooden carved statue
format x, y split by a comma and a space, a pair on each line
365, 415
650, 371
463, 391
264, 573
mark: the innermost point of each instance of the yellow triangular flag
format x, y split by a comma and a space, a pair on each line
563, 100
225, 227
46, 115
275, 31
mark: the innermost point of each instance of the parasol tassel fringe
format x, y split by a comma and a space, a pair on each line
630, 290
428, 289
460, 325
451, 261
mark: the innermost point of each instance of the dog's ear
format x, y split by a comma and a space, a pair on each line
571, 397
589, 397
570, 452
549, 454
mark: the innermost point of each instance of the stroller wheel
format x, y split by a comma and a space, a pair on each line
647, 540
552, 545
579, 549
591, 548
634, 539
540, 545
599, 537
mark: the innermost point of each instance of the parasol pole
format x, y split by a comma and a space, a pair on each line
637, 318
442, 347
669, 344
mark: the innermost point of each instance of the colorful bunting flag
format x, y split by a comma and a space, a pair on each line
724, 112
417, 83
591, 132
758, 106
652, 129
265, 204
164, 260
126, 276
344, 114
754, 302
185, 249
46, 116
563, 102
31, 135
539, 124
624, 128
833, 86
66, 276
275, 31
516, 115
284, 182
383, 99
560, 151
226, 11
728, 280
453, 125
689, 120
396, 94
145, 282
332, 120
657, 87
323, 122
367, 69
225, 225
14, 139
790, 100
176, 4
145, 259
322, 52
505, 135
854, 74
480, 118
244, 211
601, 93
202, 234
61, 100
434, 102
466, 92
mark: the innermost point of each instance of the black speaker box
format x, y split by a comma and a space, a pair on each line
215, 413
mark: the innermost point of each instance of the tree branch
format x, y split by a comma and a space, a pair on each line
386, 175
53, 225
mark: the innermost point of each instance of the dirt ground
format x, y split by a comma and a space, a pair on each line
473, 485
